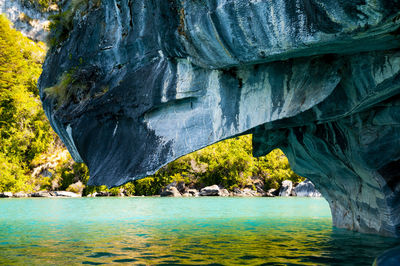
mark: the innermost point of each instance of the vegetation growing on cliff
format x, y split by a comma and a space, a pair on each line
44, 4
32, 157
62, 23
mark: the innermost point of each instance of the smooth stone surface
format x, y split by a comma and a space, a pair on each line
193, 192
246, 192
319, 79
6, 194
286, 188
27, 19
20, 195
306, 189
171, 191
42, 194
99, 194
272, 192
213, 190
223, 192
67, 194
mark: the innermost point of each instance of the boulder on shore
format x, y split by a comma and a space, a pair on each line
99, 194
223, 192
170, 192
20, 195
286, 188
6, 194
41, 194
306, 189
180, 186
193, 192
102, 194
210, 191
67, 194
246, 192
271, 192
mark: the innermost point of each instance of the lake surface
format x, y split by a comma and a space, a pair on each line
171, 231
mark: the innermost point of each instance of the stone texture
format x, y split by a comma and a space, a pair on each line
28, 18
272, 192
20, 195
246, 192
181, 187
223, 192
6, 194
193, 192
170, 192
99, 194
320, 79
213, 190
67, 194
42, 194
286, 188
306, 189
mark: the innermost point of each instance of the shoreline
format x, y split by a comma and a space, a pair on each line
175, 189
150, 196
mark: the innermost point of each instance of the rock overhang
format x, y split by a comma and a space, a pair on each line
153, 81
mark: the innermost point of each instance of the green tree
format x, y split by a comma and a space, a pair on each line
24, 130
228, 163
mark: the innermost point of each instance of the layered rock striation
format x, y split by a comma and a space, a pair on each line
137, 84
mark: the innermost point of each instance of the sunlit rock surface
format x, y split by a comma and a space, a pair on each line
286, 188
151, 81
28, 18
306, 189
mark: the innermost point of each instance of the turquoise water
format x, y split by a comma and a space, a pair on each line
171, 231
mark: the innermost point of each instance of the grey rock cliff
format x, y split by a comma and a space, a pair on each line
151, 81
28, 18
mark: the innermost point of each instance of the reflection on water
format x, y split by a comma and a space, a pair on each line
157, 231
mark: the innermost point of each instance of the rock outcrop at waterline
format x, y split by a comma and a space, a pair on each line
137, 84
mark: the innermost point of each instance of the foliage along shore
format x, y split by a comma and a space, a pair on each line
33, 158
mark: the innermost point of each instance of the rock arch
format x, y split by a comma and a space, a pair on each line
150, 81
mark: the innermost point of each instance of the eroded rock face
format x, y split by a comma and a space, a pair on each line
150, 81
213, 190
286, 188
306, 189
28, 18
